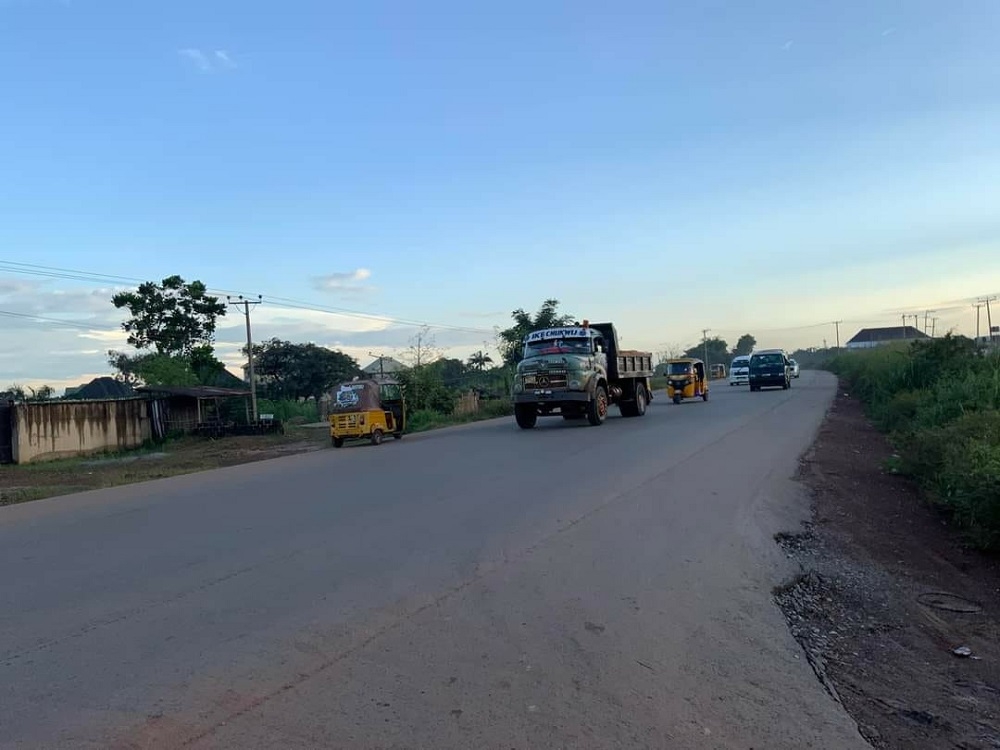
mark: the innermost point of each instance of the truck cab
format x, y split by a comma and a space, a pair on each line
576, 372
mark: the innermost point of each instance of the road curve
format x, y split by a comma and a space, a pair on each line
479, 587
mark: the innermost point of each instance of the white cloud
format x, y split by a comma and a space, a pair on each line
197, 57
66, 345
207, 62
350, 282
224, 59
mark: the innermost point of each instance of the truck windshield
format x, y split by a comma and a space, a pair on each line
557, 346
679, 368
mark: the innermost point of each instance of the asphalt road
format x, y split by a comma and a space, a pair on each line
480, 587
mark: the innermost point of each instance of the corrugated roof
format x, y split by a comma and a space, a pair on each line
896, 333
193, 391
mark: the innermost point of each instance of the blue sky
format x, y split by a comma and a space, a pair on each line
657, 164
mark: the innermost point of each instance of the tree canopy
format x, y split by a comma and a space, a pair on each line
173, 317
511, 339
744, 345
287, 370
717, 348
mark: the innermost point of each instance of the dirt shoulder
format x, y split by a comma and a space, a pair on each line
34, 481
887, 593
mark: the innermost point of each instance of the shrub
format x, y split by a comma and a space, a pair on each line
941, 400
289, 411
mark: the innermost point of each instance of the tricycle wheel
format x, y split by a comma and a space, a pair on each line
376, 437
338, 442
677, 399
704, 396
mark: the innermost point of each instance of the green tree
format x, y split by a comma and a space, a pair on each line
173, 317
292, 371
452, 372
717, 348
510, 340
744, 345
152, 368
425, 389
479, 360
42, 393
16, 392
164, 369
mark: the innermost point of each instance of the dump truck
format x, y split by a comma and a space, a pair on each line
577, 372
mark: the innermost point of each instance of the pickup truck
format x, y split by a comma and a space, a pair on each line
577, 372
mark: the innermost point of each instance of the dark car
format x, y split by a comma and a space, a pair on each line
770, 368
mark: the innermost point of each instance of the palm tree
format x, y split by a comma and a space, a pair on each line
511, 338
479, 360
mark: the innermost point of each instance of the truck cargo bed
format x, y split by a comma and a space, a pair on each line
634, 364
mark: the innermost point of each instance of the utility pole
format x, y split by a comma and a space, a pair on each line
977, 305
933, 326
704, 339
904, 326
245, 304
837, 324
989, 319
381, 371
927, 315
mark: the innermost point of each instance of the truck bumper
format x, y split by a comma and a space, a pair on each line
552, 398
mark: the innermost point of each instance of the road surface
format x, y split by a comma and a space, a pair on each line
481, 587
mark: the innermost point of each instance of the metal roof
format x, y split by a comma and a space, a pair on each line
193, 391
895, 333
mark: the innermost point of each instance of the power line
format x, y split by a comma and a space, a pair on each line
43, 319
54, 272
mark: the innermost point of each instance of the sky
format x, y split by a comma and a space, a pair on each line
764, 167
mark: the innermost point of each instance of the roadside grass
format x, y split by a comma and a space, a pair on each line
939, 401
173, 457
425, 419
185, 455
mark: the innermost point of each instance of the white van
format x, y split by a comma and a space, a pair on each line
739, 371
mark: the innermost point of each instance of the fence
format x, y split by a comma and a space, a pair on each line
59, 429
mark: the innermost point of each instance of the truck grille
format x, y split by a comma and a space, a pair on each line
551, 379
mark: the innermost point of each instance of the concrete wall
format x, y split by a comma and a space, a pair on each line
60, 429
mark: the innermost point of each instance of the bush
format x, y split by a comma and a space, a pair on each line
941, 400
422, 420
959, 464
289, 411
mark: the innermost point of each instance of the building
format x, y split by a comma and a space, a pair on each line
383, 366
868, 338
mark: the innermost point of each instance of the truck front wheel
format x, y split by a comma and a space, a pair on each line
526, 415
597, 409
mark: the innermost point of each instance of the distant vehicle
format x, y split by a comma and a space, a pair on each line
795, 368
718, 371
577, 372
769, 368
686, 379
739, 370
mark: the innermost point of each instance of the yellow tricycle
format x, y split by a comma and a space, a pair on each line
686, 378
367, 410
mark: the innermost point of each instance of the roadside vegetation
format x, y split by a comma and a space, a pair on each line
940, 402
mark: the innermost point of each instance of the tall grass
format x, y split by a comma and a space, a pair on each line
289, 411
426, 419
940, 402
